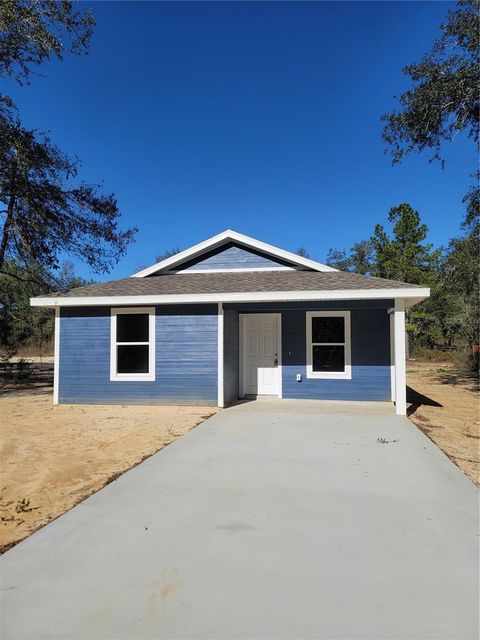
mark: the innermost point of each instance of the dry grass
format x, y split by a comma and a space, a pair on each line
445, 406
52, 457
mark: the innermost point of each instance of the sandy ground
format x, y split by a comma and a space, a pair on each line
445, 406
52, 457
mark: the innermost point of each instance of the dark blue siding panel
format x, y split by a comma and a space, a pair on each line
341, 305
186, 358
231, 355
370, 349
370, 359
232, 257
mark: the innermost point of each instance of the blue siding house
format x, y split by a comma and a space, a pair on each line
228, 318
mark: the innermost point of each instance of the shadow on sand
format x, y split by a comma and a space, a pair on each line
417, 400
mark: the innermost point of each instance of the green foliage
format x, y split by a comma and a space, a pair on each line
444, 99
403, 257
20, 324
47, 211
34, 31
359, 259
451, 315
435, 355
461, 279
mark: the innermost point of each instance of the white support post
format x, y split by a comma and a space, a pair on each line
400, 355
221, 398
56, 357
392, 357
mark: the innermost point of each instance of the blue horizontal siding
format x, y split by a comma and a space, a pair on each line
186, 358
186, 355
232, 257
326, 305
370, 333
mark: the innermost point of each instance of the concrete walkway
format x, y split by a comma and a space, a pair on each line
270, 520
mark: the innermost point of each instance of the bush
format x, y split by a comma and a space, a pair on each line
463, 358
433, 355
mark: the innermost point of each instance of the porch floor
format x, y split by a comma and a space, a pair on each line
268, 404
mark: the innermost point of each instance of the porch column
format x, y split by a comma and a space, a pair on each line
392, 356
220, 392
400, 356
56, 358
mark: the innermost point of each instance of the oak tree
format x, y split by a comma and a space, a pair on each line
444, 98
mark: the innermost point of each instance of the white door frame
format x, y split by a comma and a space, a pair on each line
241, 355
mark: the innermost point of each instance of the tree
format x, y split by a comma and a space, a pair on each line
359, 259
461, 279
444, 99
20, 324
339, 259
65, 278
46, 209
33, 31
404, 256
168, 253
301, 251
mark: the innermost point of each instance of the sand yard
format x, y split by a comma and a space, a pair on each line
445, 406
52, 457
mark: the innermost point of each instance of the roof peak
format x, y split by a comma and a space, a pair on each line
229, 235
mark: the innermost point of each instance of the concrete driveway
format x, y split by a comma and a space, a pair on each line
270, 520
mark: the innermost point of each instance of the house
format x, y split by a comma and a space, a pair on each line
227, 318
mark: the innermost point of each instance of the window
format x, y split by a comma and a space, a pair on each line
328, 344
132, 344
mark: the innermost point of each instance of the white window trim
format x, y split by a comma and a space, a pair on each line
132, 377
329, 375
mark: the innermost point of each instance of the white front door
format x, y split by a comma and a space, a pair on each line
260, 373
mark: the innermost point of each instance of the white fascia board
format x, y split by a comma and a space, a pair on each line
261, 296
234, 236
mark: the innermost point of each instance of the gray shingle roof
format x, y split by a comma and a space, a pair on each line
243, 282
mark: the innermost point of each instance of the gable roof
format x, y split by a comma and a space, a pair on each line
169, 264
255, 286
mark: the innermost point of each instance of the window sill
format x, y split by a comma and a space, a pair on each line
344, 375
132, 377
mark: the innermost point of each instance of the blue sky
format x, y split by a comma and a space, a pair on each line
261, 117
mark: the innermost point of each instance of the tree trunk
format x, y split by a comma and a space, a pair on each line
7, 227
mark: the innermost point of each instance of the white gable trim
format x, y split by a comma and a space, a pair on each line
411, 297
223, 238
